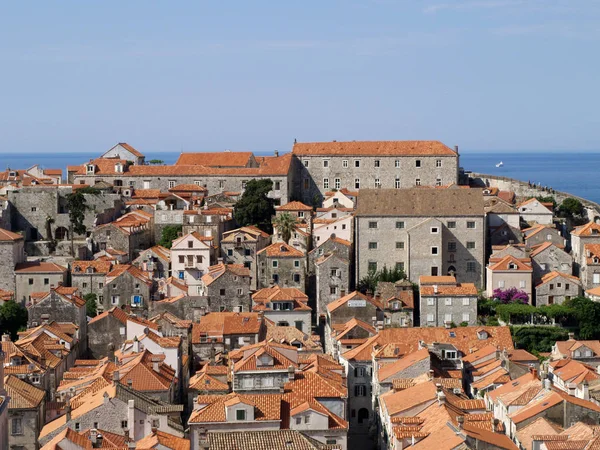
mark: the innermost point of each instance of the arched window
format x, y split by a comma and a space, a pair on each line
363, 415
61, 234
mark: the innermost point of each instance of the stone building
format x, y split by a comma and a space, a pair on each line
547, 257
534, 211
130, 233
37, 276
4, 399
301, 212
332, 279
227, 287
191, 256
26, 413
124, 151
89, 276
589, 266
283, 265
33, 206
445, 302
322, 166
556, 287
300, 238
216, 172
398, 302
422, 232
208, 221
539, 234
126, 285
107, 332
509, 272
171, 325
341, 227
499, 212
284, 307
241, 246
581, 236
12, 252
155, 262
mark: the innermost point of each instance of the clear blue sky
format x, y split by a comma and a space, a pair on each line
192, 75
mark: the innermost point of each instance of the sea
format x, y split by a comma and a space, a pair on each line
575, 172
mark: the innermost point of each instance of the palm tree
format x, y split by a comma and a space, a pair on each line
285, 224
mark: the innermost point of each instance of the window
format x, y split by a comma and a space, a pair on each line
325, 183
357, 183
558, 285
30, 281
298, 420
345, 163
277, 186
400, 266
397, 163
447, 317
466, 302
470, 225
326, 163
337, 183
596, 278
567, 286
418, 182
84, 285
275, 263
334, 273
296, 278
360, 390
240, 414
434, 230
451, 246
33, 208
372, 266
429, 317
466, 317
418, 163
377, 163
307, 418
438, 181
357, 163
171, 184
16, 427
275, 278
470, 245
377, 182
471, 266
190, 244
114, 300
372, 224
449, 354
306, 163
448, 301
221, 291
434, 271
146, 184
229, 252
451, 224
434, 250
181, 259
78, 426
522, 283
330, 441
438, 163
399, 225
333, 290
400, 245
372, 245
501, 283
430, 302
551, 299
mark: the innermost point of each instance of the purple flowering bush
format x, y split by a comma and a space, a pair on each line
510, 295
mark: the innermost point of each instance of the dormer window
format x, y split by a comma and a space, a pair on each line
512, 266
119, 168
77, 269
90, 270
12, 174
90, 169
482, 334
596, 260
240, 414
283, 249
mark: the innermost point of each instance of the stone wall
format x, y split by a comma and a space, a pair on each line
105, 336
11, 253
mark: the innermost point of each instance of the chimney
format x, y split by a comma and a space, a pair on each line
276, 153
571, 336
155, 366
547, 384
460, 420
495, 423
291, 373
435, 289
586, 390
6, 337
129, 382
533, 371
456, 149
136, 345
430, 375
68, 411
94, 437
106, 398
441, 398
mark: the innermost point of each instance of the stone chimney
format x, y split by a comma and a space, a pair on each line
94, 437
6, 337
136, 345
291, 373
276, 153
68, 411
571, 336
461, 421
155, 364
441, 397
456, 149
586, 390
116, 377
533, 371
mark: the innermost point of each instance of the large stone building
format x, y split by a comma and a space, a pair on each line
227, 287
323, 166
241, 246
126, 285
89, 276
422, 232
26, 413
32, 277
283, 265
444, 302
12, 252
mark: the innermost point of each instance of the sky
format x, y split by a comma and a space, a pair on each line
255, 75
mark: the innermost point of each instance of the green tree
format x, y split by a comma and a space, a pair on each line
156, 162
77, 206
13, 318
587, 316
91, 308
255, 207
537, 339
285, 224
571, 207
169, 234
368, 283
547, 199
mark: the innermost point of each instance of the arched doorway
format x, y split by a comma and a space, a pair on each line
363, 415
61, 234
451, 270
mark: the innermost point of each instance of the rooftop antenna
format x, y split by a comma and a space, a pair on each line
295, 141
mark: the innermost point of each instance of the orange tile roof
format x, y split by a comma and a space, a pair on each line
39, 267
461, 289
589, 229
566, 347
353, 296
402, 364
439, 280
6, 236
554, 274
216, 271
267, 407
215, 159
202, 381
281, 250
397, 402
294, 206
133, 151
22, 394
97, 266
219, 324
522, 265
160, 439
383, 148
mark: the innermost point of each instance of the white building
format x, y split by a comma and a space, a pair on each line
191, 257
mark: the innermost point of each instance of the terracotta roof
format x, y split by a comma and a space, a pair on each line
22, 395
420, 203
402, 364
6, 236
160, 439
522, 264
97, 266
397, 402
39, 267
216, 271
461, 289
130, 148
267, 407
202, 381
281, 250
465, 339
272, 440
554, 274
120, 269
294, 206
218, 324
566, 347
215, 159
366, 148
115, 312
589, 229
146, 193
496, 440
352, 296
439, 280
6, 295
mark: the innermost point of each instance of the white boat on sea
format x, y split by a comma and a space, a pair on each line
500, 164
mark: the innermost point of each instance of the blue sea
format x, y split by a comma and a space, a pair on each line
577, 173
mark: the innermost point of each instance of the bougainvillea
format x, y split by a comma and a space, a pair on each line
510, 295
